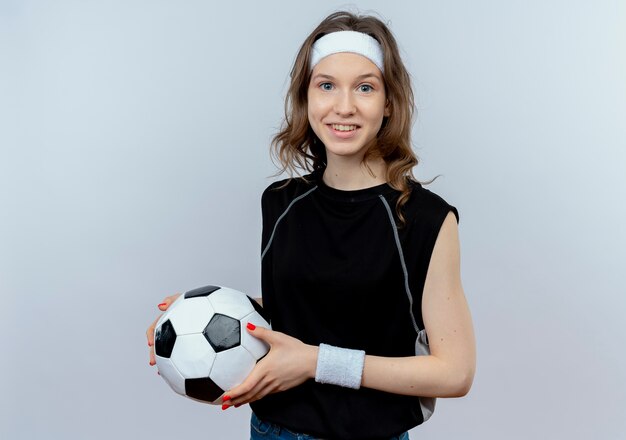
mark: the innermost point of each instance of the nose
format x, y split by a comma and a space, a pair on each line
344, 104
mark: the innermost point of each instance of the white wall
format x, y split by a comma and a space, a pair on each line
134, 147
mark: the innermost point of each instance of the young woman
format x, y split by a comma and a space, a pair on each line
360, 263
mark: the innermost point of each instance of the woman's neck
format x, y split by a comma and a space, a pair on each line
352, 176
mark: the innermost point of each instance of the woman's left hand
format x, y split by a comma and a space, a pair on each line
288, 363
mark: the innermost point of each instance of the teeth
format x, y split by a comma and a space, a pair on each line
344, 127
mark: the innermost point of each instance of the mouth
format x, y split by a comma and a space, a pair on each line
343, 131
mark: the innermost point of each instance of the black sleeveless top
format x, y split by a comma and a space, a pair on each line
338, 268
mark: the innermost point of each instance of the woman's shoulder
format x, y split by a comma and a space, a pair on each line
423, 201
285, 190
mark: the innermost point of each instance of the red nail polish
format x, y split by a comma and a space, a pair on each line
224, 407
225, 398
152, 362
251, 326
162, 304
238, 405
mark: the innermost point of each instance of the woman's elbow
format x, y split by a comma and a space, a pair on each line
462, 384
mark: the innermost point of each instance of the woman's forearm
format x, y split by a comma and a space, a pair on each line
425, 376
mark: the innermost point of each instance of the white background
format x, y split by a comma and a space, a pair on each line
134, 148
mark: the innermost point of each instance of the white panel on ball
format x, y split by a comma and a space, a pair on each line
171, 375
255, 346
231, 367
231, 303
193, 356
191, 316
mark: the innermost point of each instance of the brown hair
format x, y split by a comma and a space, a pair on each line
296, 146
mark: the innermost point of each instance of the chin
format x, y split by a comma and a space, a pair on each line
345, 153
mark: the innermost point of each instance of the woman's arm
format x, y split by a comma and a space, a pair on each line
449, 370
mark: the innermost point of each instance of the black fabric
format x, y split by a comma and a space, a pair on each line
332, 273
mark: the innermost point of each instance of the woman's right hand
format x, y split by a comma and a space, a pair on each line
150, 332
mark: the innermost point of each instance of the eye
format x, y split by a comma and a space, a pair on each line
365, 88
326, 86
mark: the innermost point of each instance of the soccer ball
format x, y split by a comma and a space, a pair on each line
200, 348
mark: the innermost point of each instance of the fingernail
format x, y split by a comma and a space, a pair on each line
251, 326
225, 398
162, 304
238, 405
224, 407
152, 362
159, 373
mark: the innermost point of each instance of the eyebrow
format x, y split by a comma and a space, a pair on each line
360, 77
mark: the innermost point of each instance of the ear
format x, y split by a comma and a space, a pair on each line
387, 111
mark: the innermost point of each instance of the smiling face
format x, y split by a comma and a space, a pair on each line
346, 104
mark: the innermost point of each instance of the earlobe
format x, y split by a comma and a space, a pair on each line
387, 111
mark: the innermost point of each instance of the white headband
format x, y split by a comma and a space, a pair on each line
348, 41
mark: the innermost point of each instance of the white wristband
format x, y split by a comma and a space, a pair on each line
340, 366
